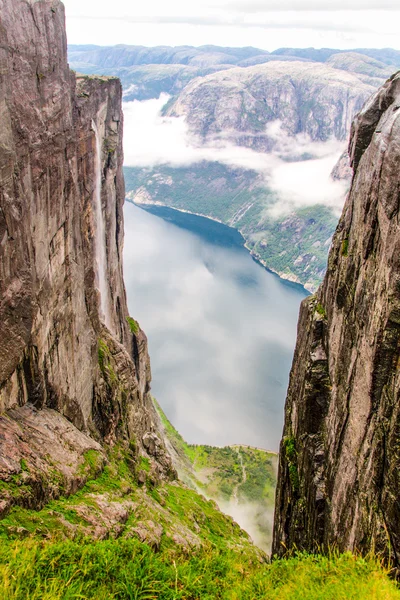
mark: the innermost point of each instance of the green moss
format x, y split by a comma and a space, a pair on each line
105, 362
345, 247
289, 446
321, 310
133, 325
92, 462
24, 465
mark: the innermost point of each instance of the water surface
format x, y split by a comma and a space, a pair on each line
221, 328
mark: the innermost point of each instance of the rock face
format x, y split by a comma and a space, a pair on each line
67, 344
308, 98
339, 466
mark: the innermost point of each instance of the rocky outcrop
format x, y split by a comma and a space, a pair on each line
307, 98
67, 343
339, 465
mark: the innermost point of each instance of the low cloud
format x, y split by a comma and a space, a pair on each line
297, 170
150, 140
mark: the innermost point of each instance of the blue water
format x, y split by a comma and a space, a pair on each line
221, 328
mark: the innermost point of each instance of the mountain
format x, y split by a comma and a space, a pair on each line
239, 106
237, 97
384, 55
148, 72
339, 460
82, 453
307, 98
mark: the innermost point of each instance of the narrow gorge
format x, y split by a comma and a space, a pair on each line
100, 497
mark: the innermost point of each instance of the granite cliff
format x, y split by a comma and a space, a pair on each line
74, 367
339, 462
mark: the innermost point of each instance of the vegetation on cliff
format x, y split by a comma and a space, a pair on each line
127, 535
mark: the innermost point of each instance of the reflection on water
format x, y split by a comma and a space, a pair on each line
221, 329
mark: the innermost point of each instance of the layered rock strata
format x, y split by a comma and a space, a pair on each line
70, 356
340, 462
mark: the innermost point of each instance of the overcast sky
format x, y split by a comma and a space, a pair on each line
267, 24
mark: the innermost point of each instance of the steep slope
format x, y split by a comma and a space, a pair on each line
73, 367
307, 98
339, 464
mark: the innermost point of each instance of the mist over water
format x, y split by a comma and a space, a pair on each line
221, 329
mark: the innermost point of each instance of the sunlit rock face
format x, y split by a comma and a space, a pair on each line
66, 344
308, 98
339, 465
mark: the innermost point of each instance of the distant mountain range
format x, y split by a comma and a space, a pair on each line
168, 69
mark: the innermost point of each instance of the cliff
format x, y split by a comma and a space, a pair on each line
74, 368
339, 465
308, 98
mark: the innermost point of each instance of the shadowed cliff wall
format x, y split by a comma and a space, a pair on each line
340, 458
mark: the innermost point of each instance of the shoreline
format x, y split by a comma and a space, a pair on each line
254, 256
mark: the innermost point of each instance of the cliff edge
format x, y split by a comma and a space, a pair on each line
74, 368
340, 462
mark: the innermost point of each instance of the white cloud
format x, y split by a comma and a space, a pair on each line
300, 23
305, 183
150, 140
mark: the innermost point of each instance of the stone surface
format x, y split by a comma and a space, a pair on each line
42, 456
308, 98
148, 532
340, 463
65, 345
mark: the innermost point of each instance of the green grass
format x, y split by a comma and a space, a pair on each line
51, 554
128, 569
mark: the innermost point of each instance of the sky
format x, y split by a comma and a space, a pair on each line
266, 24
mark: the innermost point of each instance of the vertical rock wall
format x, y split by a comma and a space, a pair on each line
56, 353
340, 455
